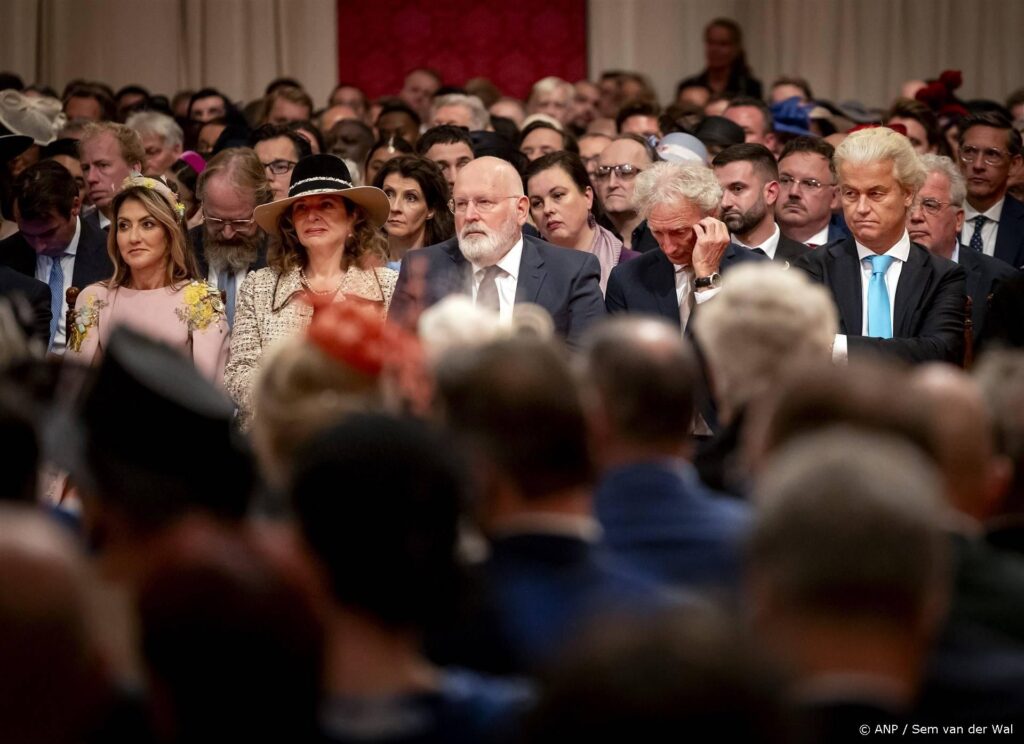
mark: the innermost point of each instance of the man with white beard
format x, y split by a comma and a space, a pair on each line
492, 261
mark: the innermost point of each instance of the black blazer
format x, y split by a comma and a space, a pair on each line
92, 263
1010, 236
788, 250
1004, 325
195, 237
928, 320
984, 275
562, 281
18, 289
647, 284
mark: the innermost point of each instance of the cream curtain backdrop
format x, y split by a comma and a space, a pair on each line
166, 45
847, 49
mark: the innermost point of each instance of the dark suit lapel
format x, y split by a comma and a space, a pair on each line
846, 285
92, 264
457, 273
914, 278
1011, 229
972, 265
531, 273
660, 277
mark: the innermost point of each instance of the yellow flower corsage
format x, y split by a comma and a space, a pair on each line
202, 306
86, 316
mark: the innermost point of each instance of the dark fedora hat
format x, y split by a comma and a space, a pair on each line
157, 438
324, 174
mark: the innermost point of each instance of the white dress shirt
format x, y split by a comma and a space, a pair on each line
769, 246
67, 263
819, 239
685, 292
901, 252
989, 231
506, 281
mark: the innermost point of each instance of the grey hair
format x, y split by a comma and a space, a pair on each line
668, 183
945, 166
851, 524
477, 111
764, 319
881, 144
551, 84
153, 122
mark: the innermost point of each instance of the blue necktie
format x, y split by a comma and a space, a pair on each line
879, 315
229, 283
56, 283
976, 244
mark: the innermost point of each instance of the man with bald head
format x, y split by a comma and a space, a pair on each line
492, 261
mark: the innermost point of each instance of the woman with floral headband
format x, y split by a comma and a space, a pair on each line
153, 288
328, 249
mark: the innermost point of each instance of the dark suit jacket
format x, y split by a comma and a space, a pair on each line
788, 250
92, 264
661, 521
195, 236
984, 275
20, 289
1010, 237
928, 320
1004, 325
648, 284
562, 281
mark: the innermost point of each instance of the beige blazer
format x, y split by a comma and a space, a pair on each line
269, 308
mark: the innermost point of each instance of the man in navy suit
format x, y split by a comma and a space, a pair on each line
807, 193
893, 296
678, 201
54, 245
494, 263
990, 148
515, 408
656, 515
936, 218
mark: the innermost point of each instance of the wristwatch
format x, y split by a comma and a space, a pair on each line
705, 282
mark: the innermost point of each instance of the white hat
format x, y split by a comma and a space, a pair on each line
38, 117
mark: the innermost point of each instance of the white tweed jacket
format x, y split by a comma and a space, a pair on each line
269, 308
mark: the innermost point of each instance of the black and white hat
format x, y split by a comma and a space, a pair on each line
324, 174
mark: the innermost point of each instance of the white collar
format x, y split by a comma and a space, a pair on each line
900, 251
819, 238
72, 248
992, 213
509, 263
770, 244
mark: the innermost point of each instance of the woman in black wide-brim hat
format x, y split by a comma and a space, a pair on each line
329, 248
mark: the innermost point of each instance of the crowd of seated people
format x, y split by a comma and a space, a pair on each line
457, 416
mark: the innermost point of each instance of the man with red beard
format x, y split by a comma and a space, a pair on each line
492, 261
229, 244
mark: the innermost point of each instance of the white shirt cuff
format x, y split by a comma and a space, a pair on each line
839, 355
704, 295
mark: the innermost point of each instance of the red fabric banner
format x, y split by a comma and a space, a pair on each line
515, 45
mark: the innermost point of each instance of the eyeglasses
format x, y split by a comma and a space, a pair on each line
990, 155
625, 171
811, 184
931, 206
234, 224
482, 205
279, 167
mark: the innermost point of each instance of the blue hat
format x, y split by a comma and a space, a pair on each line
792, 116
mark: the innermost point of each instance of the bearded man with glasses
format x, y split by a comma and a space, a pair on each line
935, 220
990, 153
495, 264
229, 244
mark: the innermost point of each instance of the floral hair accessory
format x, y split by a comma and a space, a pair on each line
939, 97
136, 180
354, 333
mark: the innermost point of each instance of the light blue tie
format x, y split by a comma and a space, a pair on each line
229, 283
56, 283
879, 314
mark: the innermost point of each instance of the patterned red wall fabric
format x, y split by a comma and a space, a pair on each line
513, 45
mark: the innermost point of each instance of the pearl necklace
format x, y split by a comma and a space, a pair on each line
307, 285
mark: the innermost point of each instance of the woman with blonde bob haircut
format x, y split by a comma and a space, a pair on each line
154, 287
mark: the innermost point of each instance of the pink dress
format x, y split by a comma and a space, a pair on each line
190, 317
